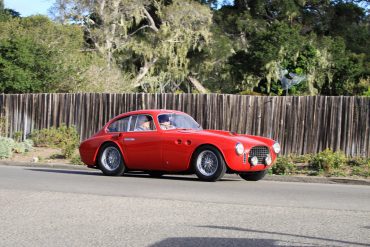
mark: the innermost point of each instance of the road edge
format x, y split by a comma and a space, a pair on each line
277, 178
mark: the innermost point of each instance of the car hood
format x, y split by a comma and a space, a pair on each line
247, 140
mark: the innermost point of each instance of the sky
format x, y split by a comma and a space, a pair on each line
29, 7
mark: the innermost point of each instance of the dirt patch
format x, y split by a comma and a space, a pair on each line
41, 155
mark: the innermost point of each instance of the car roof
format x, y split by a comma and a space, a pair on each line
148, 111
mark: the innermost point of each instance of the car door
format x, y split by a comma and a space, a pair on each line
177, 149
142, 146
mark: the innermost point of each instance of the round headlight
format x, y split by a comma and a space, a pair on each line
239, 148
254, 161
276, 147
268, 160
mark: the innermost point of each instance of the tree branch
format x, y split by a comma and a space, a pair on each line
137, 30
151, 20
143, 71
197, 84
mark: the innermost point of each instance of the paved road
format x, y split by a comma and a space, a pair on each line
49, 207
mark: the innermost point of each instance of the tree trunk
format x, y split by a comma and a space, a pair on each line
143, 71
197, 85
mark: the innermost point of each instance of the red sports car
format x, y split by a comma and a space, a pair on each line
166, 141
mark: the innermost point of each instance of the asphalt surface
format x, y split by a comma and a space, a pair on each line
55, 207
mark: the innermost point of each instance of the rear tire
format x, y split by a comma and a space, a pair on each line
110, 160
208, 164
253, 176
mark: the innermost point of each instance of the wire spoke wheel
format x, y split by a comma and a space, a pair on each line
111, 158
207, 163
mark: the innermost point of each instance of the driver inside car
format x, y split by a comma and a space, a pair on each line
164, 122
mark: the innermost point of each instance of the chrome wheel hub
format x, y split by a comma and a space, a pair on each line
111, 158
207, 163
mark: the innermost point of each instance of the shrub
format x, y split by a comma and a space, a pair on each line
328, 161
76, 160
301, 158
283, 166
359, 161
6, 147
19, 148
360, 167
65, 138
28, 145
22, 147
18, 136
3, 126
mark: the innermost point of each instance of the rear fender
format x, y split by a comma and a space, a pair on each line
113, 142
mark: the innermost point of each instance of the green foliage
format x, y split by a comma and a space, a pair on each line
3, 126
28, 145
18, 136
76, 160
6, 147
328, 161
329, 46
19, 148
38, 55
156, 46
283, 166
367, 93
63, 137
325, 163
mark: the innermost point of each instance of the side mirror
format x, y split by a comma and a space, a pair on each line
120, 136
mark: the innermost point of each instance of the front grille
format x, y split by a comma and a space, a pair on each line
244, 158
260, 152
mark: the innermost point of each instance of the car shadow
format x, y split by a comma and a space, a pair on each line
214, 242
334, 241
172, 177
142, 175
77, 172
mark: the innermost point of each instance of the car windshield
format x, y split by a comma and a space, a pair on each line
177, 121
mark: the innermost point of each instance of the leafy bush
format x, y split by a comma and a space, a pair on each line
19, 148
28, 145
65, 138
283, 166
18, 136
301, 158
76, 160
360, 166
328, 161
6, 147
2, 126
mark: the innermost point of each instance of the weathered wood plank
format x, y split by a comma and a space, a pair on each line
304, 124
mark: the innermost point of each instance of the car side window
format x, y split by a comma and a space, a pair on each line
142, 123
120, 125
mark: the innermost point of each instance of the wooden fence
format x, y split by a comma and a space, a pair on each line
305, 124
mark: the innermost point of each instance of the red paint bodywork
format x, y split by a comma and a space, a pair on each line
172, 150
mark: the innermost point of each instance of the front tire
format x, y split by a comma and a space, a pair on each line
253, 176
209, 164
110, 160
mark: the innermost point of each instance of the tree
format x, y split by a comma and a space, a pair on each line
37, 55
149, 40
304, 37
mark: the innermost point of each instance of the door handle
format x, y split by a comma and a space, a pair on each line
129, 139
